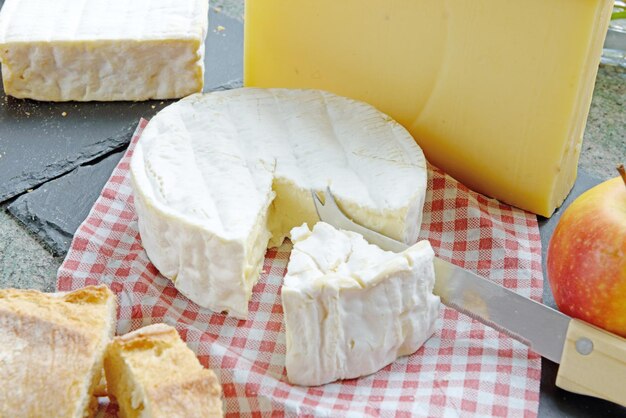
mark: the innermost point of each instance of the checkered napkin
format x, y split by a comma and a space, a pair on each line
464, 369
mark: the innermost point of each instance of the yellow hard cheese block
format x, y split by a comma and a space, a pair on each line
496, 92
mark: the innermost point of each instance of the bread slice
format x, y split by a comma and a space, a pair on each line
52, 347
152, 374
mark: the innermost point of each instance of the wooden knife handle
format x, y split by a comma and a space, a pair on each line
593, 363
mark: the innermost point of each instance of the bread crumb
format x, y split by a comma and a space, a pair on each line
64, 114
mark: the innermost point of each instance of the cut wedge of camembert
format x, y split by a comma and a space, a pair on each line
351, 308
217, 176
102, 49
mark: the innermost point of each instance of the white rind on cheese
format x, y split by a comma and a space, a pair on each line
103, 50
202, 212
215, 176
351, 308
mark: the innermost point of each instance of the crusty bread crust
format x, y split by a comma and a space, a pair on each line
51, 350
152, 373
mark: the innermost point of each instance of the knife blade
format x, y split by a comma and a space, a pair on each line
536, 325
594, 357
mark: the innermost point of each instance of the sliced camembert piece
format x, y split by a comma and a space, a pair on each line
216, 176
351, 308
102, 49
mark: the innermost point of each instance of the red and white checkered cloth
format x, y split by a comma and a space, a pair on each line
465, 369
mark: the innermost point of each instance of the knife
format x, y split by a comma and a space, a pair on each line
591, 361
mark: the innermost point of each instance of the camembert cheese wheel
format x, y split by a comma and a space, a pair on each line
219, 177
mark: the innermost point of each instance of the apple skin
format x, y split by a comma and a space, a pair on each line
587, 258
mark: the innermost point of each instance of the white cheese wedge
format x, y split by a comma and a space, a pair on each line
351, 308
216, 175
102, 49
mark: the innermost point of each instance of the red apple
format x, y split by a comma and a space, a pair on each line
587, 257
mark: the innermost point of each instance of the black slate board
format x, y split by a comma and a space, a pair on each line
43, 140
54, 211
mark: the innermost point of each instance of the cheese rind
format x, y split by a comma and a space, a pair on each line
215, 176
202, 206
102, 50
496, 93
351, 308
